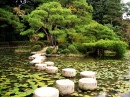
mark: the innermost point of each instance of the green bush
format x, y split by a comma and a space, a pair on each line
81, 48
49, 50
89, 47
59, 51
66, 51
72, 49
105, 44
36, 48
119, 47
63, 45
40, 43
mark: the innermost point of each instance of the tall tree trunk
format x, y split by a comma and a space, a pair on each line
49, 37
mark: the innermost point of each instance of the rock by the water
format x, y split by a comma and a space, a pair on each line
46, 92
69, 72
65, 86
87, 83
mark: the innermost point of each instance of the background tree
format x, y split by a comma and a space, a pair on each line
10, 26
126, 22
107, 11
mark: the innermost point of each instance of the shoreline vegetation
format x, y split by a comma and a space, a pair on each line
26, 49
21, 47
43, 52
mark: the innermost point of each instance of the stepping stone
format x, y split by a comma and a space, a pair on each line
87, 83
88, 74
32, 53
41, 57
46, 92
41, 66
68, 72
49, 63
36, 61
65, 86
34, 56
51, 69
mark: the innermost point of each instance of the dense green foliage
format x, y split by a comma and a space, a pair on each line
60, 22
107, 11
100, 46
72, 49
49, 50
9, 23
36, 48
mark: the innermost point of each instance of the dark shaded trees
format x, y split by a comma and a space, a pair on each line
9, 25
107, 11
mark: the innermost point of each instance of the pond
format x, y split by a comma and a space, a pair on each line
20, 79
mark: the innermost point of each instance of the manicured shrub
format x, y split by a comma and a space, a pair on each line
72, 49
98, 47
36, 48
81, 48
66, 51
119, 47
59, 51
63, 45
54, 51
49, 50
89, 46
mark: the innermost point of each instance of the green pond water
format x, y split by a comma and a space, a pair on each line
18, 78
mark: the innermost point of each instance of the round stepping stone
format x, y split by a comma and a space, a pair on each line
87, 83
49, 63
51, 69
41, 66
34, 56
68, 72
65, 86
88, 74
36, 61
32, 53
46, 92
